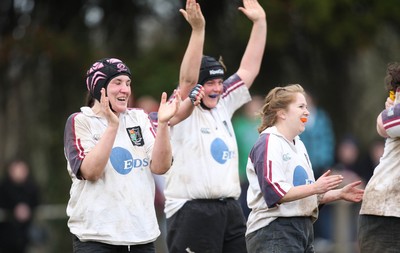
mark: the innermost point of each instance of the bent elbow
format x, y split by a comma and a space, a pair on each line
91, 175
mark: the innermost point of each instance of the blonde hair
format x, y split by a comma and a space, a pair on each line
277, 99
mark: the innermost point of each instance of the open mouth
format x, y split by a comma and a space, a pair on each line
213, 95
303, 119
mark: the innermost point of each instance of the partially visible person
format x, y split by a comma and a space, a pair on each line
283, 194
111, 153
319, 136
245, 124
379, 220
202, 186
19, 197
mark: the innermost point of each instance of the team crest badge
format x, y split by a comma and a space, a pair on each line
135, 134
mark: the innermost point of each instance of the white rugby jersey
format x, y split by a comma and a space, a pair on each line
381, 196
275, 165
205, 151
118, 208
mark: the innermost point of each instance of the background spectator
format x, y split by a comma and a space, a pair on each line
18, 200
327, 232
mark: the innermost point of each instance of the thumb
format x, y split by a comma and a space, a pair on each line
184, 13
327, 173
243, 10
163, 97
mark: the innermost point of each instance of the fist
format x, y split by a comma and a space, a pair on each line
196, 94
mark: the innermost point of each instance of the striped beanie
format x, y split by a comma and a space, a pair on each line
101, 72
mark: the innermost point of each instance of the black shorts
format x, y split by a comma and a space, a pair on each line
207, 226
98, 247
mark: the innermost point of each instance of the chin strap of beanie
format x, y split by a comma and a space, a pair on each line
101, 73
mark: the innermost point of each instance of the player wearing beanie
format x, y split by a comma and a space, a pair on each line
202, 186
101, 73
111, 154
210, 69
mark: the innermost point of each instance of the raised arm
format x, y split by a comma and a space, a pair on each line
190, 67
253, 55
162, 152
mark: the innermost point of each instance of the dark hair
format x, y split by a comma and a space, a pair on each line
392, 78
277, 99
89, 99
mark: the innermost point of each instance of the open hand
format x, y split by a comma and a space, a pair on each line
193, 15
327, 182
168, 109
351, 193
253, 10
111, 117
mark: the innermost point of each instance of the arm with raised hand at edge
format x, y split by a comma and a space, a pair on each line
252, 58
191, 62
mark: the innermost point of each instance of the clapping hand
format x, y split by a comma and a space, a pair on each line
168, 109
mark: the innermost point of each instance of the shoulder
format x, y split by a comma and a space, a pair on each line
74, 117
232, 83
85, 113
263, 141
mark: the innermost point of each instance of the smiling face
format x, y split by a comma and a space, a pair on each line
118, 93
212, 91
296, 114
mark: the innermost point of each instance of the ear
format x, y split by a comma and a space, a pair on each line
281, 114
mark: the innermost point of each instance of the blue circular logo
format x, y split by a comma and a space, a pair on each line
121, 160
299, 176
220, 151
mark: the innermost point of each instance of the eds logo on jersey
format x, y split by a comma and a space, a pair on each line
220, 151
300, 176
123, 162
135, 134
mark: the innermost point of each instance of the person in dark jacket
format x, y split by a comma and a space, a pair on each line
18, 199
